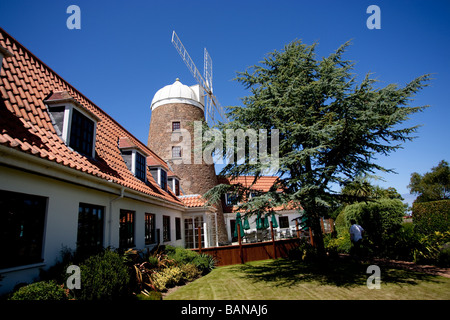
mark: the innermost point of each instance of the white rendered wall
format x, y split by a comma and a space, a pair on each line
61, 223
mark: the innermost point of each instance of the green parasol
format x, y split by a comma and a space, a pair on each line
266, 221
238, 222
259, 225
274, 221
246, 224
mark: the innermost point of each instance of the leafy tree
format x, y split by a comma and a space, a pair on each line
330, 127
360, 189
433, 185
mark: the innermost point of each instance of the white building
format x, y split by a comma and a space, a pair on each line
73, 177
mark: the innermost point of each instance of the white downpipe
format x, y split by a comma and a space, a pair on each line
110, 214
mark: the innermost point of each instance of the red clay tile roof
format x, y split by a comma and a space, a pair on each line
154, 160
194, 200
25, 125
263, 183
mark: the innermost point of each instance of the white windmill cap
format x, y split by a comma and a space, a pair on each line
178, 93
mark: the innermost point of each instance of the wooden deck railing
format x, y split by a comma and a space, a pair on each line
244, 252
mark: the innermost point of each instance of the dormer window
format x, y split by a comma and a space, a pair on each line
81, 133
75, 125
141, 167
163, 179
174, 185
231, 199
134, 158
160, 175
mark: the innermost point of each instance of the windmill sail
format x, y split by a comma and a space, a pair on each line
211, 103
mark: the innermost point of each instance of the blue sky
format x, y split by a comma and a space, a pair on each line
122, 54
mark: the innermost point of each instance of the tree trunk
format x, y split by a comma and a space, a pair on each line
318, 235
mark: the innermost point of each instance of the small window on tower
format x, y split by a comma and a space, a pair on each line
176, 152
176, 126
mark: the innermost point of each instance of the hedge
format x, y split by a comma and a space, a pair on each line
378, 218
432, 216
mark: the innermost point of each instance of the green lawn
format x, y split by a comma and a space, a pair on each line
288, 279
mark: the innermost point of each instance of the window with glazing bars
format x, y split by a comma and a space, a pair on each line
150, 228
141, 167
163, 184
81, 133
166, 228
90, 228
175, 125
126, 229
176, 152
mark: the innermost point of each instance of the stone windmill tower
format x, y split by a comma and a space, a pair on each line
175, 107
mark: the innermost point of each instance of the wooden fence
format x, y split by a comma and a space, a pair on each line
241, 253
237, 254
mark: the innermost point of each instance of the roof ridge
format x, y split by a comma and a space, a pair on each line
37, 79
72, 87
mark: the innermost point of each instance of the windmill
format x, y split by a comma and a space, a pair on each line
205, 81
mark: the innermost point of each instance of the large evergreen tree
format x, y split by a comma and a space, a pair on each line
330, 127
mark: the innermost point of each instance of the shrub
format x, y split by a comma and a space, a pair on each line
430, 246
181, 255
204, 262
190, 271
104, 277
167, 278
444, 255
339, 244
402, 243
42, 290
429, 217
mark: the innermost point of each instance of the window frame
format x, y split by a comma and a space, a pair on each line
92, 231
176, 124
27, 226
66, 131
228, 201
178, 153
163, 179
191, 225
81, 138
282, 220
166, 229
177, 228
176, 184
140, 166
124, 229
150, 228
